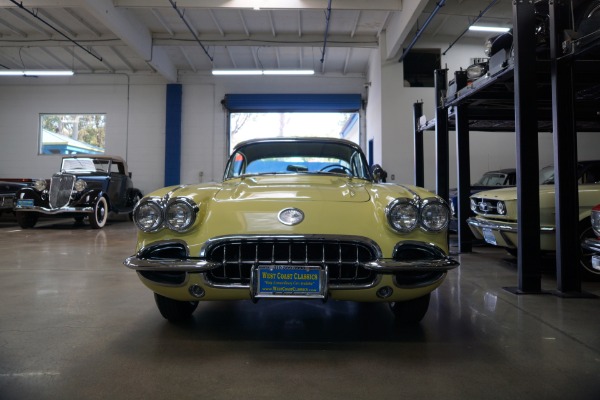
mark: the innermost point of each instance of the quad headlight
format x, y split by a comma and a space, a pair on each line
180, 214
148, 215
153, 213
434, 215
595, 217
404, 215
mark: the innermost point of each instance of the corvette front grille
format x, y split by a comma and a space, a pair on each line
344, 260
61, 187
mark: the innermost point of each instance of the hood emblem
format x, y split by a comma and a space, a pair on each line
290, 216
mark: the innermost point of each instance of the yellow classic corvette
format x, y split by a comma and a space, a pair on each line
300, 218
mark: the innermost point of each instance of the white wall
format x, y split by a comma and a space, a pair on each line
135, 111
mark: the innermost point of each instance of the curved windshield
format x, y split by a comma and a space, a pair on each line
297, 157
492, 179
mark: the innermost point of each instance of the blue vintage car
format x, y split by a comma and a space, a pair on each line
85, 186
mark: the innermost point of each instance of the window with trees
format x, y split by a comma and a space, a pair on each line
244, 126
72, 134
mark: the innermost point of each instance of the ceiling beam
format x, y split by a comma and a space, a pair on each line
266, 39
133, 32
373, 5
400, 26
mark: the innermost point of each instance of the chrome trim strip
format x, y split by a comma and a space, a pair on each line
45, 210
389, 265
504, 227
591, 244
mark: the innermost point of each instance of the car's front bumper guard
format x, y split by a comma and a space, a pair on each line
502, 227
46, 210
200, 265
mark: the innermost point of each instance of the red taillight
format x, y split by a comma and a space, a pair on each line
596, 219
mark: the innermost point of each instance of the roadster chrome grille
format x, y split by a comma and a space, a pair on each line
344, 260
61, 187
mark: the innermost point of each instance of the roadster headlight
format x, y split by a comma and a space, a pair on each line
402, 215
39, 185
180, 214
80, 185
434, 215
148, 215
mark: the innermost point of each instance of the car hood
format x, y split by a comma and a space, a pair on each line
510, 193
294, 187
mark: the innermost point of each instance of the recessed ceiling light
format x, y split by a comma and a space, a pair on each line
12, 72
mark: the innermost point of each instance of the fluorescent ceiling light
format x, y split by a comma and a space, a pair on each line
488, 29
12, 72
263, 72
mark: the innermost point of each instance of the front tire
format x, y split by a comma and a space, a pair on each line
174, 310
412, 311
27, 220
100, 214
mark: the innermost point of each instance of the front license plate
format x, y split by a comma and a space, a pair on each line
25, 203
283, 281
489, 237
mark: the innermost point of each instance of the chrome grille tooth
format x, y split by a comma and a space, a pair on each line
61, 187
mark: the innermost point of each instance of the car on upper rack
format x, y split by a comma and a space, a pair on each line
496, 211
293, 218
591, 245
86, 186
489, 180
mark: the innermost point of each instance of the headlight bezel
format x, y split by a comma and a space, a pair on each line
433, 202
400, 202
419, 207
153, 202
186, 204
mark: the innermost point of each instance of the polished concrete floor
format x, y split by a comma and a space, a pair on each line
76, 324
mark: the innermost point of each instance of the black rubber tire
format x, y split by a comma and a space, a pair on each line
412, 311
100, 214
134, 200
585, 260
27, 220
174, 310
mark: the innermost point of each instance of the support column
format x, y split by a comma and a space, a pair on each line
442, 145
565, 159
526, 126
464, 169
173, 135
419, 150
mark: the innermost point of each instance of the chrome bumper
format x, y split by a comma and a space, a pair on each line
45, 210
199, 265
502, 226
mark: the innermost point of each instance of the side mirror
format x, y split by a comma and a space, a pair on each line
379, 174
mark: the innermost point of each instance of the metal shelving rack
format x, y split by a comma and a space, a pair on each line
560, 95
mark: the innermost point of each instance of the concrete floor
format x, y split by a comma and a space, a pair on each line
76, 324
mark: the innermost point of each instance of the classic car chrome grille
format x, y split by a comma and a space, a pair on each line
344, 260
61, 187
484, 206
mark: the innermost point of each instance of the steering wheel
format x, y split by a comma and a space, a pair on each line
338, 166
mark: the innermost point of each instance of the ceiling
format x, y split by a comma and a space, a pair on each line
186, 36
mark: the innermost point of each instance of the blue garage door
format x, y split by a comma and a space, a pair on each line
292, 102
